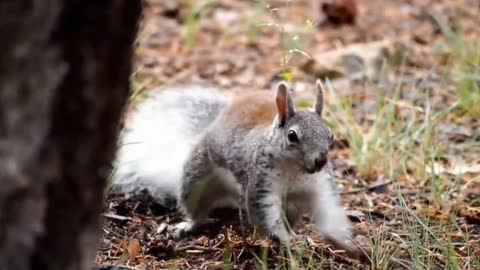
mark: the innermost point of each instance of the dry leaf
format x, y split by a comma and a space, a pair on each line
133, 249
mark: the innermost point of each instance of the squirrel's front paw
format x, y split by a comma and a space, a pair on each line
180, 229
282, 238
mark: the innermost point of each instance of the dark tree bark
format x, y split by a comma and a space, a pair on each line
64, 72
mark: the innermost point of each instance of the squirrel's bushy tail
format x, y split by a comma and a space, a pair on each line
158, 138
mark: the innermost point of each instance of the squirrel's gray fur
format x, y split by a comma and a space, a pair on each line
206, 149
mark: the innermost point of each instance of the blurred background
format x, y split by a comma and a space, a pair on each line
403, 97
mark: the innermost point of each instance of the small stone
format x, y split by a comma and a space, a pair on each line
340, 11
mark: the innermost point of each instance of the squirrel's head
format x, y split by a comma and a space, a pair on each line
304, 136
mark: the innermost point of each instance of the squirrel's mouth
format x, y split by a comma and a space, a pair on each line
310, 166
313, 169
317, 165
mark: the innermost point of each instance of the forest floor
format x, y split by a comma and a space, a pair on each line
403, 101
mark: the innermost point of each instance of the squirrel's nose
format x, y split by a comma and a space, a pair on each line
320, 161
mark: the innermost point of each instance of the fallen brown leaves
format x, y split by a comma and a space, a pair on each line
224, 240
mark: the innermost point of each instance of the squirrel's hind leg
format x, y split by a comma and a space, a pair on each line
297, 204
204, 187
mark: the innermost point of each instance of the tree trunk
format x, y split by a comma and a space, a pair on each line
64, 72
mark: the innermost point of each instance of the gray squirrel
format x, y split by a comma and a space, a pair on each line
207, 148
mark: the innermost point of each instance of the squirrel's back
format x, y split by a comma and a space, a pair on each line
251, 109
158, 137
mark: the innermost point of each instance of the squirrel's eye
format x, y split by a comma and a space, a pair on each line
292, 136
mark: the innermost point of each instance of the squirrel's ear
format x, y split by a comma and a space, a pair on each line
284, 102
319, 99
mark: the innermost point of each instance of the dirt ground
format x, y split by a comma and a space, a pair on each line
412, 216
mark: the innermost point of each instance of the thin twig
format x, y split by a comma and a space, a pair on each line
196, 247
369, 188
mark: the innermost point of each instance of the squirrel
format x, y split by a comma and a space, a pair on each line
205, 148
